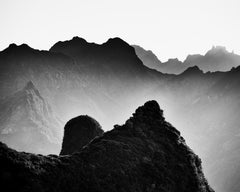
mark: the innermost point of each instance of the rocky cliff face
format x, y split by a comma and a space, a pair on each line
145, 154
78, 132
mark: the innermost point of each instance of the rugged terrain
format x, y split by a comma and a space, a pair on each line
145, 154
28, 123
108, 81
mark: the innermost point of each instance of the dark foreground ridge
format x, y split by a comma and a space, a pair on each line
145, 154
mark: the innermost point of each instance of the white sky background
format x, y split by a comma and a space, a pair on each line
170, 28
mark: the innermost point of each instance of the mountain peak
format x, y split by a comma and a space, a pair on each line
193, 70
18, 49
78, 132
150, 109
217, 50
29, 86
174, 60
75, 43
78, 40
138, 156
22, 46
116, 41
12, 45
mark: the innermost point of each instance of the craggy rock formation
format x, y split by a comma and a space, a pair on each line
78, 132
145, 154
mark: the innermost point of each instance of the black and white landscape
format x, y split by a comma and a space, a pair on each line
42, 90
123, 96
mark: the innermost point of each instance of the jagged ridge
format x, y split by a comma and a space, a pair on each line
27, 122
145, 154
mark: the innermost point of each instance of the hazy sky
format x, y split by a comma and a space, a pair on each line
170, 28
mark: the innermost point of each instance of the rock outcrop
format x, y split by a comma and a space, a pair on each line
145, 154
78, 132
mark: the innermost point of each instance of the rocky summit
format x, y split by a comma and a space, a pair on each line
145, 154
78, 132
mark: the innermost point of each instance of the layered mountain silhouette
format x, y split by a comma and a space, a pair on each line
28, 122
144, 154
216, 59
108, 81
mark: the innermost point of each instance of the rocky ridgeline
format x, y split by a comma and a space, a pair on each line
145, 154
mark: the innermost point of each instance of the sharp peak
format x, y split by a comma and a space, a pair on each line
150, 110
149, 117
30, 86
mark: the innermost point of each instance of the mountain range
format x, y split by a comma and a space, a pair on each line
108, 81
216, 59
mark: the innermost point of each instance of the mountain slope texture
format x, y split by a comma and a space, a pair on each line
27, 122
145, 154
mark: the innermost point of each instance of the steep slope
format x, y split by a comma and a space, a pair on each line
216, 59
20, 64
148, 58
144, 154
78, 132
209, 104
27, 122
114, 58
77, 77
115, 76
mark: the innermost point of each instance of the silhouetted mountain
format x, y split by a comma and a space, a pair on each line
216, 59
78, 132
112, 72
192, 71
148, 57
108, 81
144, 154
27, 122
114, 58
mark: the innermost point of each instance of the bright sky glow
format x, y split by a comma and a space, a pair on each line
170, 28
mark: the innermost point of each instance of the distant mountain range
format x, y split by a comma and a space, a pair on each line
108, 81
216, 59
